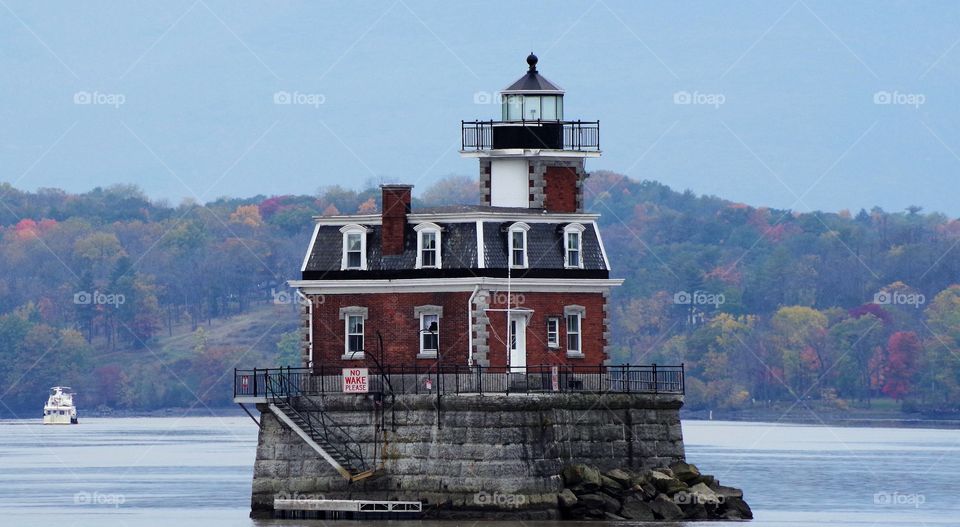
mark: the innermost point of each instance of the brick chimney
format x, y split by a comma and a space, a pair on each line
396, 206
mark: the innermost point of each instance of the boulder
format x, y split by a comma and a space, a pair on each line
566, 498
635, 509
663, 470
625, 480
737, 507
694, 511
702, 494
666, 484
727, 492
647, 490
665, 509
613, 517
611, 487
597, 503
685, 472
707, 480
580, 474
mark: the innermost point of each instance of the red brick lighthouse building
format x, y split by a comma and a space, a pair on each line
519, 280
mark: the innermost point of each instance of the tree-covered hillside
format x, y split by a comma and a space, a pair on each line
140, 304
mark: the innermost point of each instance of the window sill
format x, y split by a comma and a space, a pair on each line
352, 356
427, 355
575, 355
553, 346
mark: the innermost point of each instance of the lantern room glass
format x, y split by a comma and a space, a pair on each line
516, 107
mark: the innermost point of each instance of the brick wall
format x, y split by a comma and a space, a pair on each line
544, 305
561, 189
393, 315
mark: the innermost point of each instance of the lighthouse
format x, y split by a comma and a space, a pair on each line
455, 354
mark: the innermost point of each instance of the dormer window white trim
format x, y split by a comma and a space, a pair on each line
428, 246
517, 245
354, 247
573, 246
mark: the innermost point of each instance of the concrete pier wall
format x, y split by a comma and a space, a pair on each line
492, 456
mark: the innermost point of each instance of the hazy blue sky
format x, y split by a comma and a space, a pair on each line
795, 95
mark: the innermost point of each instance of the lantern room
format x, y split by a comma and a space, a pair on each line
532, 97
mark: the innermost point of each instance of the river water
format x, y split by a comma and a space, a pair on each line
196, 471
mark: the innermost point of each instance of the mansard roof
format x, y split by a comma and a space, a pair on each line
459, 242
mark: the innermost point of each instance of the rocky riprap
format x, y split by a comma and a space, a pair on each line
679, 492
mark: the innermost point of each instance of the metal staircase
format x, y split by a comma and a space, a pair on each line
317, 429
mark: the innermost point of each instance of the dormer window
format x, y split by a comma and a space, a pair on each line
517, 242
354, 247
428, 246
573, 246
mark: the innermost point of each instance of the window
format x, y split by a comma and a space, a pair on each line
573, 245
573, 333
574, 316
553, 332
430, 333
354, 319
428, 245
354, 247
518, 244
512, 107
354, 334
429, 317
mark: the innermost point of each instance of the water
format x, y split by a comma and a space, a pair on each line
196, 472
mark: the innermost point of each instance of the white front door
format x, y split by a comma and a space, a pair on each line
518, 343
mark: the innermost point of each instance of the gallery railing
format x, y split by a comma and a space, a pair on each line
455, 380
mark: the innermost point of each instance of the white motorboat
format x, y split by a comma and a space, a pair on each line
59, 409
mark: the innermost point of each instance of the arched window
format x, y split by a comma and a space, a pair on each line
573, 246
354, 247
428, 246
517, 245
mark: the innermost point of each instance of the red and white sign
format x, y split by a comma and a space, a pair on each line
355, 380
555, 378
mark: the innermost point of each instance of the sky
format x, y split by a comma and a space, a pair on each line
799, 104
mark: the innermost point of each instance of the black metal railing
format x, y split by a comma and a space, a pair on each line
455, 380
551, 135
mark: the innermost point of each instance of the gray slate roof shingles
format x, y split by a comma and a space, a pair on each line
459, 249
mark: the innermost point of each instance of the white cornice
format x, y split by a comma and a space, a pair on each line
466, 284
534, 216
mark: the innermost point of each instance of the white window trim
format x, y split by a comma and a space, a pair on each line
422, 228
573, 228
419, 312
345, 314
520, 228
581, 313
347, 230
554, 343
